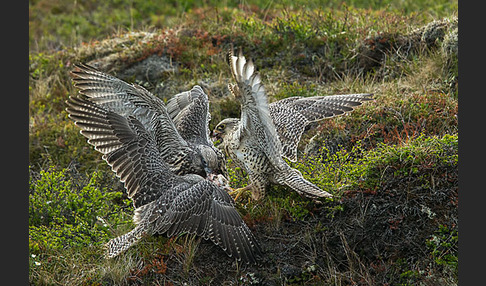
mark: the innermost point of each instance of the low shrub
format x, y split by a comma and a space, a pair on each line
67, 209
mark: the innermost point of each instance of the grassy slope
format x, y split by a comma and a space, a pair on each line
392, 163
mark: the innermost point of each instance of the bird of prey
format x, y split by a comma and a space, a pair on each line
164, 202
189, 110
265, 133
191, 152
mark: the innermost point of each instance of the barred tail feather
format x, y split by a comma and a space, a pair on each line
293, 179
121, 243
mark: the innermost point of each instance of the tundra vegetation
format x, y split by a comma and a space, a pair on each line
391, 163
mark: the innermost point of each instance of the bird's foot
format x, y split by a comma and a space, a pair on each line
238, 192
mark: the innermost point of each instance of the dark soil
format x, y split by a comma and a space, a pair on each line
376, 239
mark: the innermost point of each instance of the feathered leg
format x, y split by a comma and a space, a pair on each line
256, 187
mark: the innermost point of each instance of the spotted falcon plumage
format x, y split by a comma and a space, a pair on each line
192, 154
164, 202
265, 133
189, 110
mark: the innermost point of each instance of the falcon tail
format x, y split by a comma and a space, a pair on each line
293, 179
121, 243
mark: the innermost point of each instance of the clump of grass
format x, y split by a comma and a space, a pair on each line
188, 251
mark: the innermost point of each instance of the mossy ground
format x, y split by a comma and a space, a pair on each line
392, 163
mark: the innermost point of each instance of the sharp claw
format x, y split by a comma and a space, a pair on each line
238, 192
232, 191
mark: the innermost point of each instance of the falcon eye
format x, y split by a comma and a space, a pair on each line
221, 127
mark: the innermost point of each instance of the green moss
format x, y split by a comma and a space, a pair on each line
296, 208
443, 247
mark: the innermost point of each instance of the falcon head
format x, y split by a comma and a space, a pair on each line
192, 161
225, 127
214, 159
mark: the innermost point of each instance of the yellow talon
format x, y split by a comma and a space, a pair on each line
239, 191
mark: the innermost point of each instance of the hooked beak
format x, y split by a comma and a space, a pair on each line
208, 170
216, 135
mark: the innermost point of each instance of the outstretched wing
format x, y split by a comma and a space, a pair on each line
208, 211
190, 112
187, 204
126, 99
291, 115
256, 121
126, 146
115, 94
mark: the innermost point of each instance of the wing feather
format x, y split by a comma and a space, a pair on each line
115, 94
256, 121
207, 210
190, 112
292, 115
132, 152
164, 202
126, 99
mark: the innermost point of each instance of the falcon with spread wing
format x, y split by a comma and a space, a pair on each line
189, 110
265, 133
164, 202
191, 152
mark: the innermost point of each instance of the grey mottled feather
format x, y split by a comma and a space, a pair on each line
165, 202
291, 115
126, 146
252, 141
127, 99
256, 121
115, 94
189, 111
